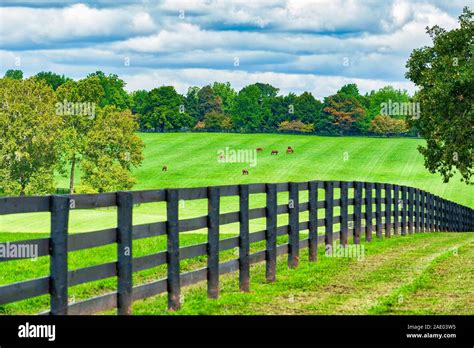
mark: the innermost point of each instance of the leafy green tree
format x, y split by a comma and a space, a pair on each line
114, 92
30, 144
383, 96
444, 73
253, 106
14, 74
112, 150
52, 79
208, 101
140, 105
227, 95
307, 108
77, 122
278, 111
191, 103
167, 111
247, 115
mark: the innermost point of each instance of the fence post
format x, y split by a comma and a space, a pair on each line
59, 206
458, 218
213, 195
270, 233
344, 212
423, 211
417, 210
404, 210
244, 244
313, 220
429, 212
443, 215
294, 237
396, 209
438, 213
378, 209
357, 211
388, 210
124, 252
410, 210
328, 223
449, 209
172, 231
368, 211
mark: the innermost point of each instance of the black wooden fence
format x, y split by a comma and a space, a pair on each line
405, 210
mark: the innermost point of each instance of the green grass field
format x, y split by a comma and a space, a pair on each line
415, 268
192, 162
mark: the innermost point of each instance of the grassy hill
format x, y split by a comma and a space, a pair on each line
192, 160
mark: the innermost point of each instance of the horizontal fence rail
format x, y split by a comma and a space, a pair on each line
378, 208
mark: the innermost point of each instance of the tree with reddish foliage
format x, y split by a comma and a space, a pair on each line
346, 113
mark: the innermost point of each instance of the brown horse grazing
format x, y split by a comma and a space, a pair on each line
245, 172
290, 150
164, 169
274, 152
259, 149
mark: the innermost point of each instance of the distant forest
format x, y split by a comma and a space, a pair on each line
255, 108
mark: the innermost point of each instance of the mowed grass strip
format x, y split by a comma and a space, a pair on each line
444, 287
192, 162
422, 269
335, 285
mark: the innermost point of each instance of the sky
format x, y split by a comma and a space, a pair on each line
295, 45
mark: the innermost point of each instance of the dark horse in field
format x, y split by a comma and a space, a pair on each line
164, 169
245, 172
274, 152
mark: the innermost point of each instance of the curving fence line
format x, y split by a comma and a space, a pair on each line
378, 209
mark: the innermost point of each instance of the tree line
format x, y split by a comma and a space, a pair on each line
255, 108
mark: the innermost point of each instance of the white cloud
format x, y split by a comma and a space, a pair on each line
289, 42
37, 26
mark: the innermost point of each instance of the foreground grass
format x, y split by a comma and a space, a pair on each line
348, 286
426, 273
192, 162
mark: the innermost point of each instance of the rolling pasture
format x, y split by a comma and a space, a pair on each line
192, 161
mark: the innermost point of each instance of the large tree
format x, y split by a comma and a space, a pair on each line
226, 93
77, 122
167, 110
112, 150
444, 73
307, 108
30, 141
346, 111
208, 101
191, 103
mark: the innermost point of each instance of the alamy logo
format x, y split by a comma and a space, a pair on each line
229, 155
67, 108
400, 109
37, 331
18, 251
